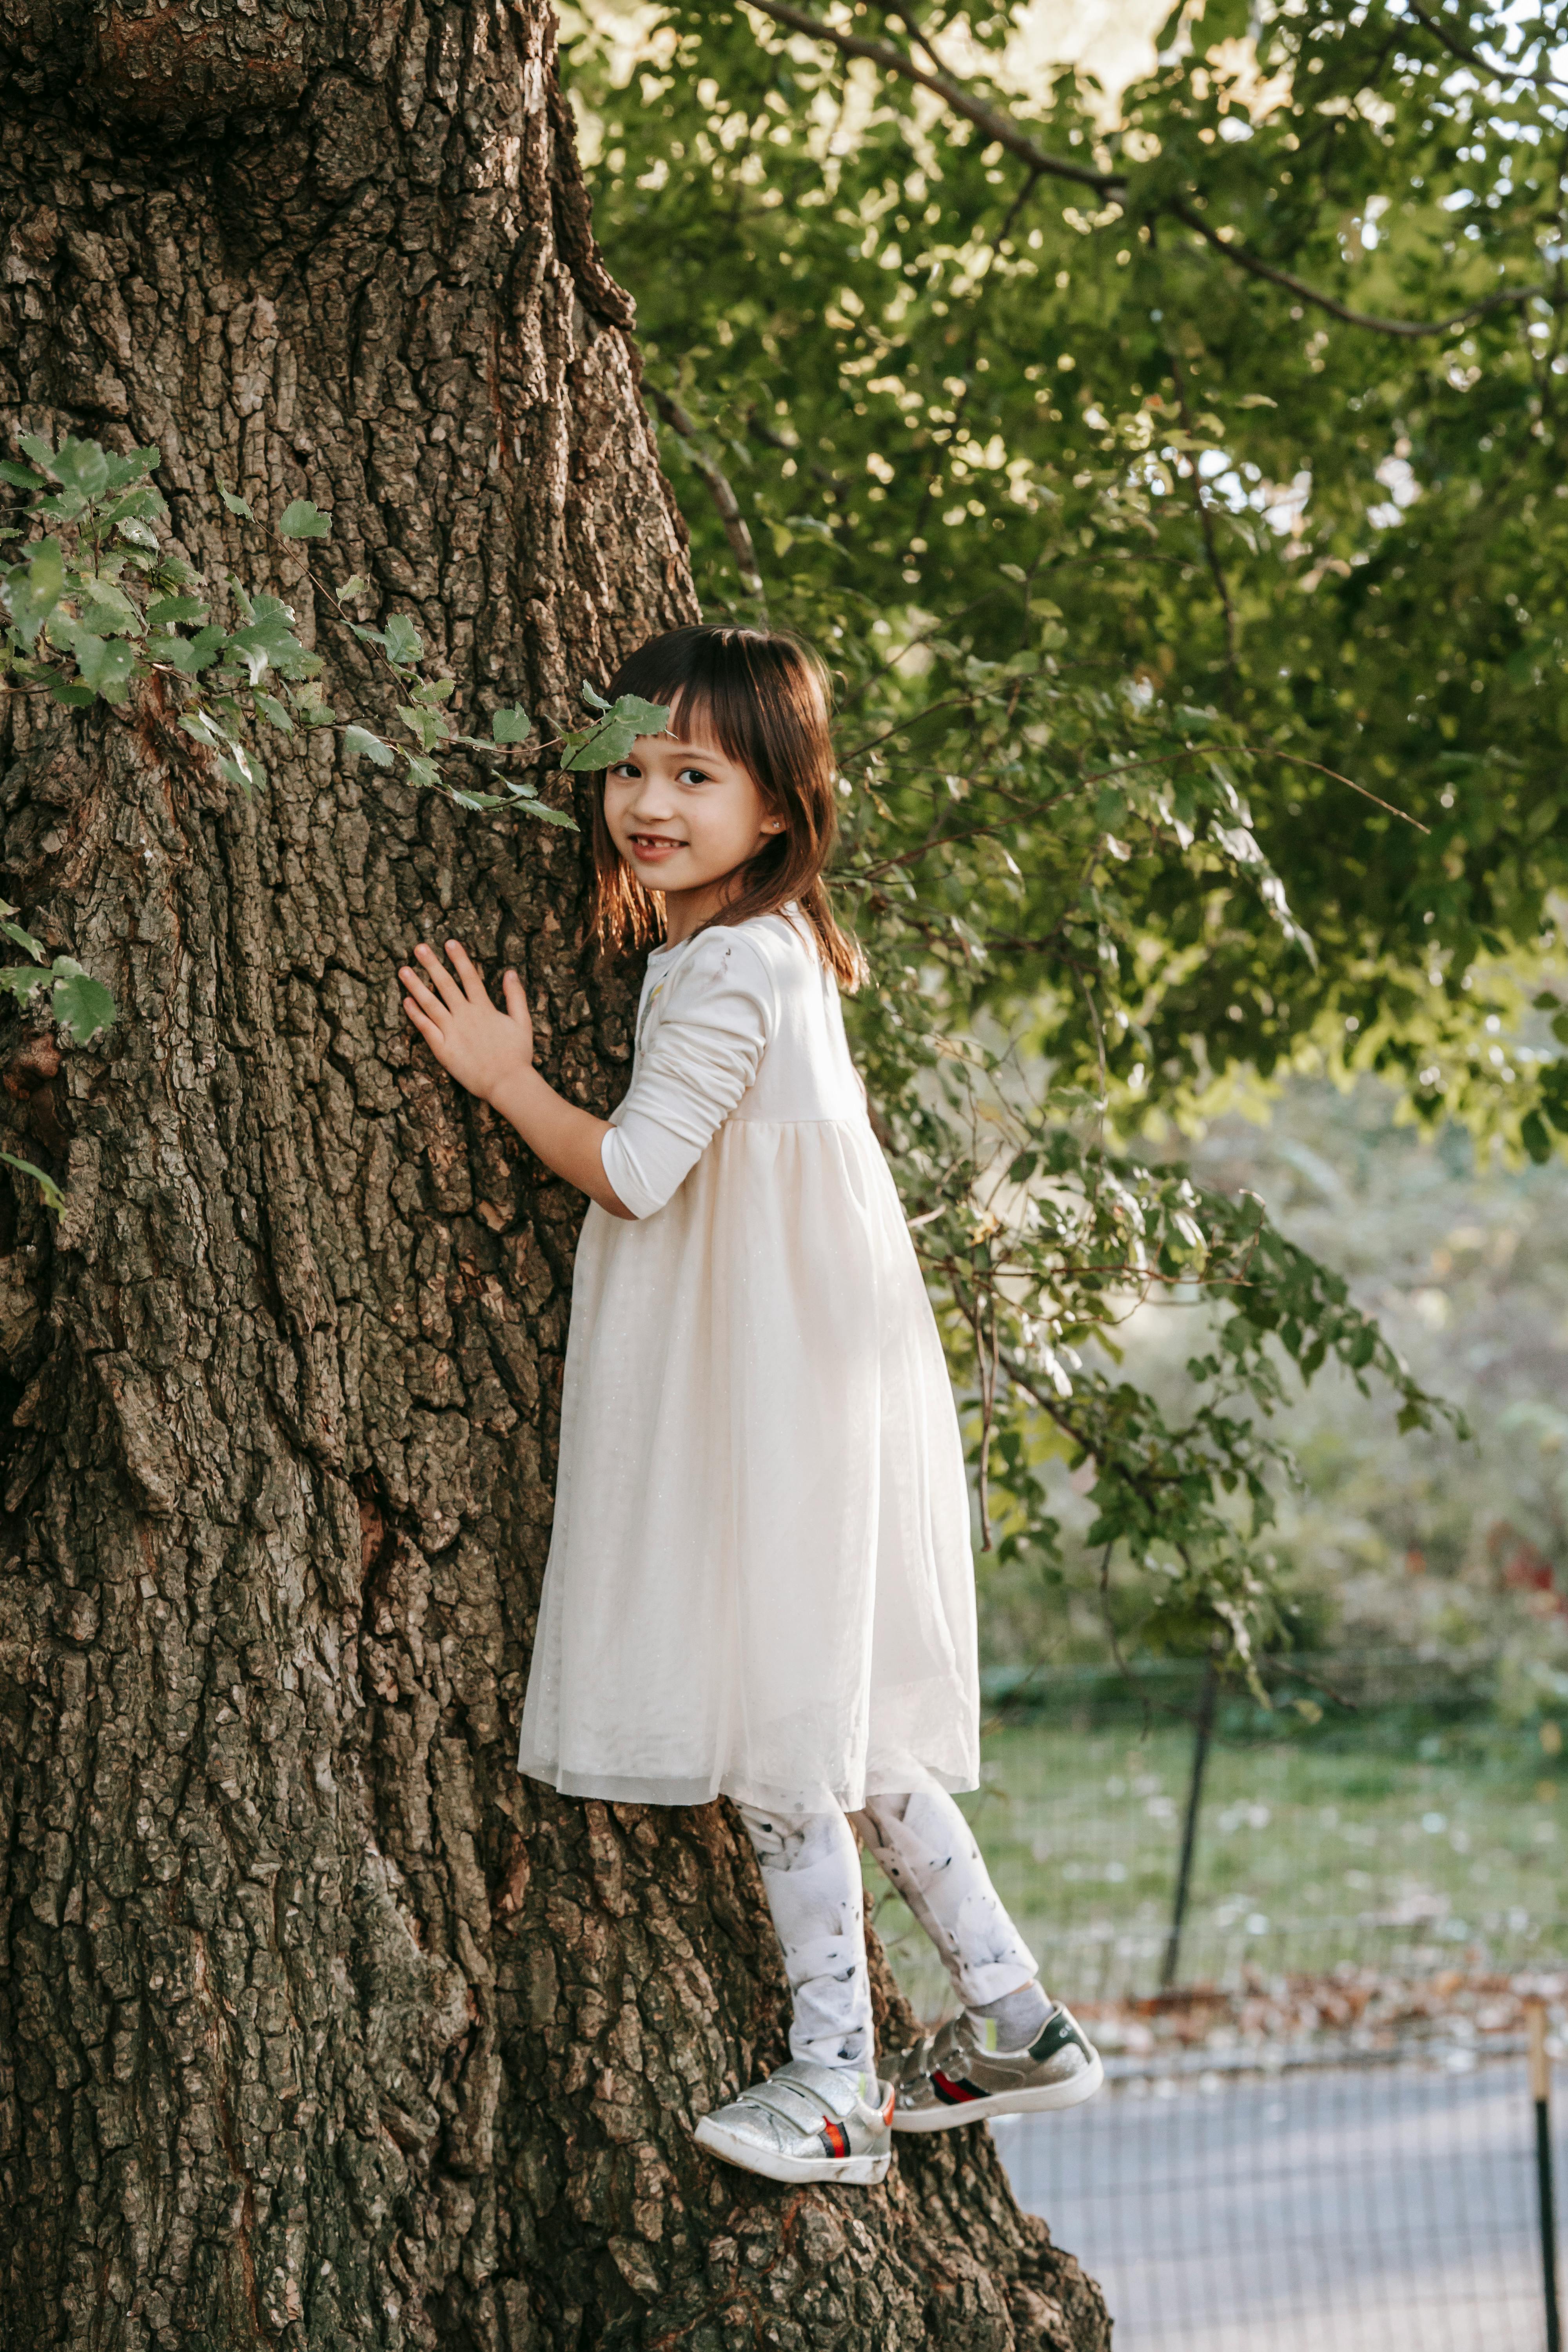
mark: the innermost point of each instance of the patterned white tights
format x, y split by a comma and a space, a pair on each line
812, 1873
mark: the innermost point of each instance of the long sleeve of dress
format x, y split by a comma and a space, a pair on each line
701, 1059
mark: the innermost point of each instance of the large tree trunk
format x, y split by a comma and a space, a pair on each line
317, 2025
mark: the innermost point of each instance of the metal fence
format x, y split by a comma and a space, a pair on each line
1389, 2205
1310, 1939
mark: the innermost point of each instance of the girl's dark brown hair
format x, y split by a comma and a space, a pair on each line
766, 697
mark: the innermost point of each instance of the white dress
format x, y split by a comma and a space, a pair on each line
760, 1579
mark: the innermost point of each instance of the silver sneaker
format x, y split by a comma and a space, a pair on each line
806, 2123
959, 2076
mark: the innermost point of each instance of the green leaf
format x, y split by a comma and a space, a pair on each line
53, 1197
133, 466
143, 505
423, 773
1532, 1134
300, 519
592, 697
22, 980
35, 588
642, 718
74, 696
546, 814
477, 801
267, 639
429, 726
403, 641
354, 587
270, 708
139, 534
82, 467
198, 724
166, 610
513, 726
360, 744
24, 941
38, 449
107, 665
22, 477
234, 768
191, 656
434, 689
233, 501
82, 1004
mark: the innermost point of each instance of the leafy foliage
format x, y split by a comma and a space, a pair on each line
98, 607
1174, 489
107, 605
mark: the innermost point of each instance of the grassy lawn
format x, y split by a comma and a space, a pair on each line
1409, 1847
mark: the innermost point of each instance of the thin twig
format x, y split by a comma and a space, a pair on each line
735, 527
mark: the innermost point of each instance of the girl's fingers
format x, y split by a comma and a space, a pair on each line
430, 1005
438, 975
426, 1026
516, 1001
473, 985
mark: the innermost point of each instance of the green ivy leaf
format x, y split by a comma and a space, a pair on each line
22, 980
35, 588
191, 656
234, 768
423, 773
513, 726
53, 1197
82, 467
300, 519
107, 665
359, 743
24, 941
82, 1004
642, 718
403, 641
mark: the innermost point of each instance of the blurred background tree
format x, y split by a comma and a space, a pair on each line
1157, 425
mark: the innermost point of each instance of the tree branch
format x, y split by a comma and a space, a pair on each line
1007, 133
1440, 32
1260, 269
735, 527
999, 127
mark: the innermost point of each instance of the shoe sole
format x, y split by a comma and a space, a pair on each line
1045, 2096
854, 2171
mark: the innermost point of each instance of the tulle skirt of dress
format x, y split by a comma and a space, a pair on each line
760, 1579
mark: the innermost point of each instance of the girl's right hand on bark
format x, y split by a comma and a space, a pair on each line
480, 1046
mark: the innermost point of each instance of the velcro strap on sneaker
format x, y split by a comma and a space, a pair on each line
791, 2102
833, 2087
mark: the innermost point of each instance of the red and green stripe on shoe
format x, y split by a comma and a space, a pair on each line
957, 2075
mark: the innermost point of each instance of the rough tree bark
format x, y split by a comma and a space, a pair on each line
318, 2026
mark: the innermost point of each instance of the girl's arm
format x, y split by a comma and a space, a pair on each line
492, 1053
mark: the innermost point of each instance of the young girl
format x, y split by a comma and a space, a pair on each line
759, 1581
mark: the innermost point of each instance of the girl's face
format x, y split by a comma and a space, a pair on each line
683, 815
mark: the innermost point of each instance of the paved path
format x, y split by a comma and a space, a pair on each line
1377, 2208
